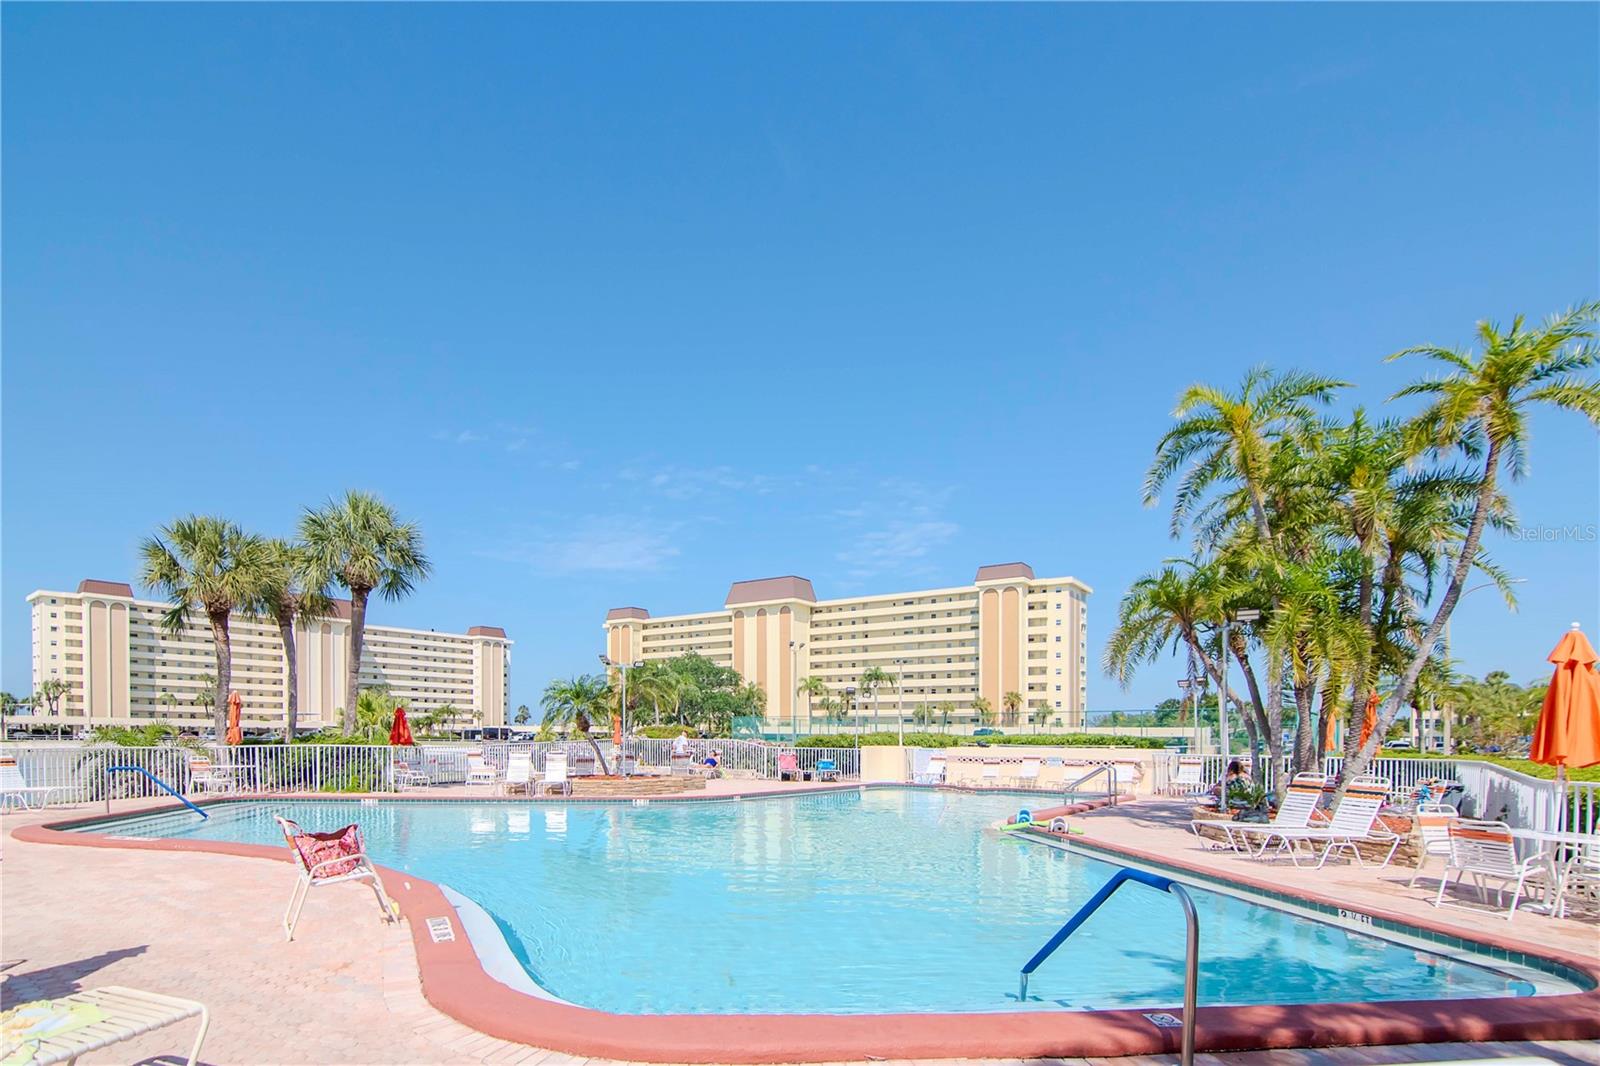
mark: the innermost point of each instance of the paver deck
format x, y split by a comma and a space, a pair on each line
346, 990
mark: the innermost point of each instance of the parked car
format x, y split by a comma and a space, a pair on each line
987, 732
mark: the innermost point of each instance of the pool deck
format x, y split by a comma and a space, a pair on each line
348, 990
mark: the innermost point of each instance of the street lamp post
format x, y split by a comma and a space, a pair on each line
622, 708
1184, 684
794, 690
850, 707
1248, 615
900, 697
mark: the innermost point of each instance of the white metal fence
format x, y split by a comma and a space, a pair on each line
84, 772
1491, 791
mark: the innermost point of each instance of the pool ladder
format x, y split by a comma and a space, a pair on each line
159, 784
1111, 782
1191, 959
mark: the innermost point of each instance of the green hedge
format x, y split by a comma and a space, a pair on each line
946, 740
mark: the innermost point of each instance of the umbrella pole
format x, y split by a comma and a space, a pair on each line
1561, 797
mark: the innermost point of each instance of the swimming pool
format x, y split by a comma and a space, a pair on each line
855, 902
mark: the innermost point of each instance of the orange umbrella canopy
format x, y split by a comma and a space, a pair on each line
1568, 733
400, 732
235, 707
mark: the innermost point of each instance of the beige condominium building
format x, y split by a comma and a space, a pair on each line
1008, 631
122, 667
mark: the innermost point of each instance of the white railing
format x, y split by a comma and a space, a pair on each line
80, 771
1492, 791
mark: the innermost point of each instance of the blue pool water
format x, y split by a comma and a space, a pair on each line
892, 900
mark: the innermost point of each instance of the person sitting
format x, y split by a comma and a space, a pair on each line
1223, 788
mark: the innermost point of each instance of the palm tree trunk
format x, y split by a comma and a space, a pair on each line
224, 650
1305, 731
1465, 559
358, 633
291, 702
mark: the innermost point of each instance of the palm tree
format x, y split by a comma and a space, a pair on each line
1480, 408
872, 679
523, 715
360, 543
8, 705
1040, 716
946, 709
210, 564
1012, 702
291, 593
1221, 436
984, 710
829, 707
812, 688
49, 694
577, 703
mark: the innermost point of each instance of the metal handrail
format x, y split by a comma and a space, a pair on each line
1111, 781
181, 798
1191, 961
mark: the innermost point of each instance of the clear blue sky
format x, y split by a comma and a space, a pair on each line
624, 303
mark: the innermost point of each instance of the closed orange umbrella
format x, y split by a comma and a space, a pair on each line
1369, 723
235, 707
400, 732
1568, 733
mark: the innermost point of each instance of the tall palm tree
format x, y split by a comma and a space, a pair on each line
983, 709
291, 594
578, 703
1480, 409
50, 693
872, 679
206, 563
1012, 702
946, 709
361, 544
812, 688
828, 706
1222, 436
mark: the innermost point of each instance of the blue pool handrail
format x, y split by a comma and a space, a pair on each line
1191, 959
159, 783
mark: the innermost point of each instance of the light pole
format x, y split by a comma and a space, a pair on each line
794, 690
900, 697
1184, 684
622, 708
849, 707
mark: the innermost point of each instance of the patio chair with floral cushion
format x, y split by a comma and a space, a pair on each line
328, 859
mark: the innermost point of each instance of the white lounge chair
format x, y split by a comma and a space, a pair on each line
519, 772
1354, 822
1293, 813
931, 772
479, 772
207, 776
405, 775
1433, 826
1488, 852
990, 775
328, 859
1028, 774
14, 788
555, 777
87, 1021
1190, 777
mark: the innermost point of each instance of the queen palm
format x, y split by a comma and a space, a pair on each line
291, 594
984, 710
874, 678
1480, 409
577, 703
209, 564
812, 688
361, 544
1012, 702
1226, 436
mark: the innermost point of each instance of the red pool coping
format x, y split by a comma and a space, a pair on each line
455, 983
